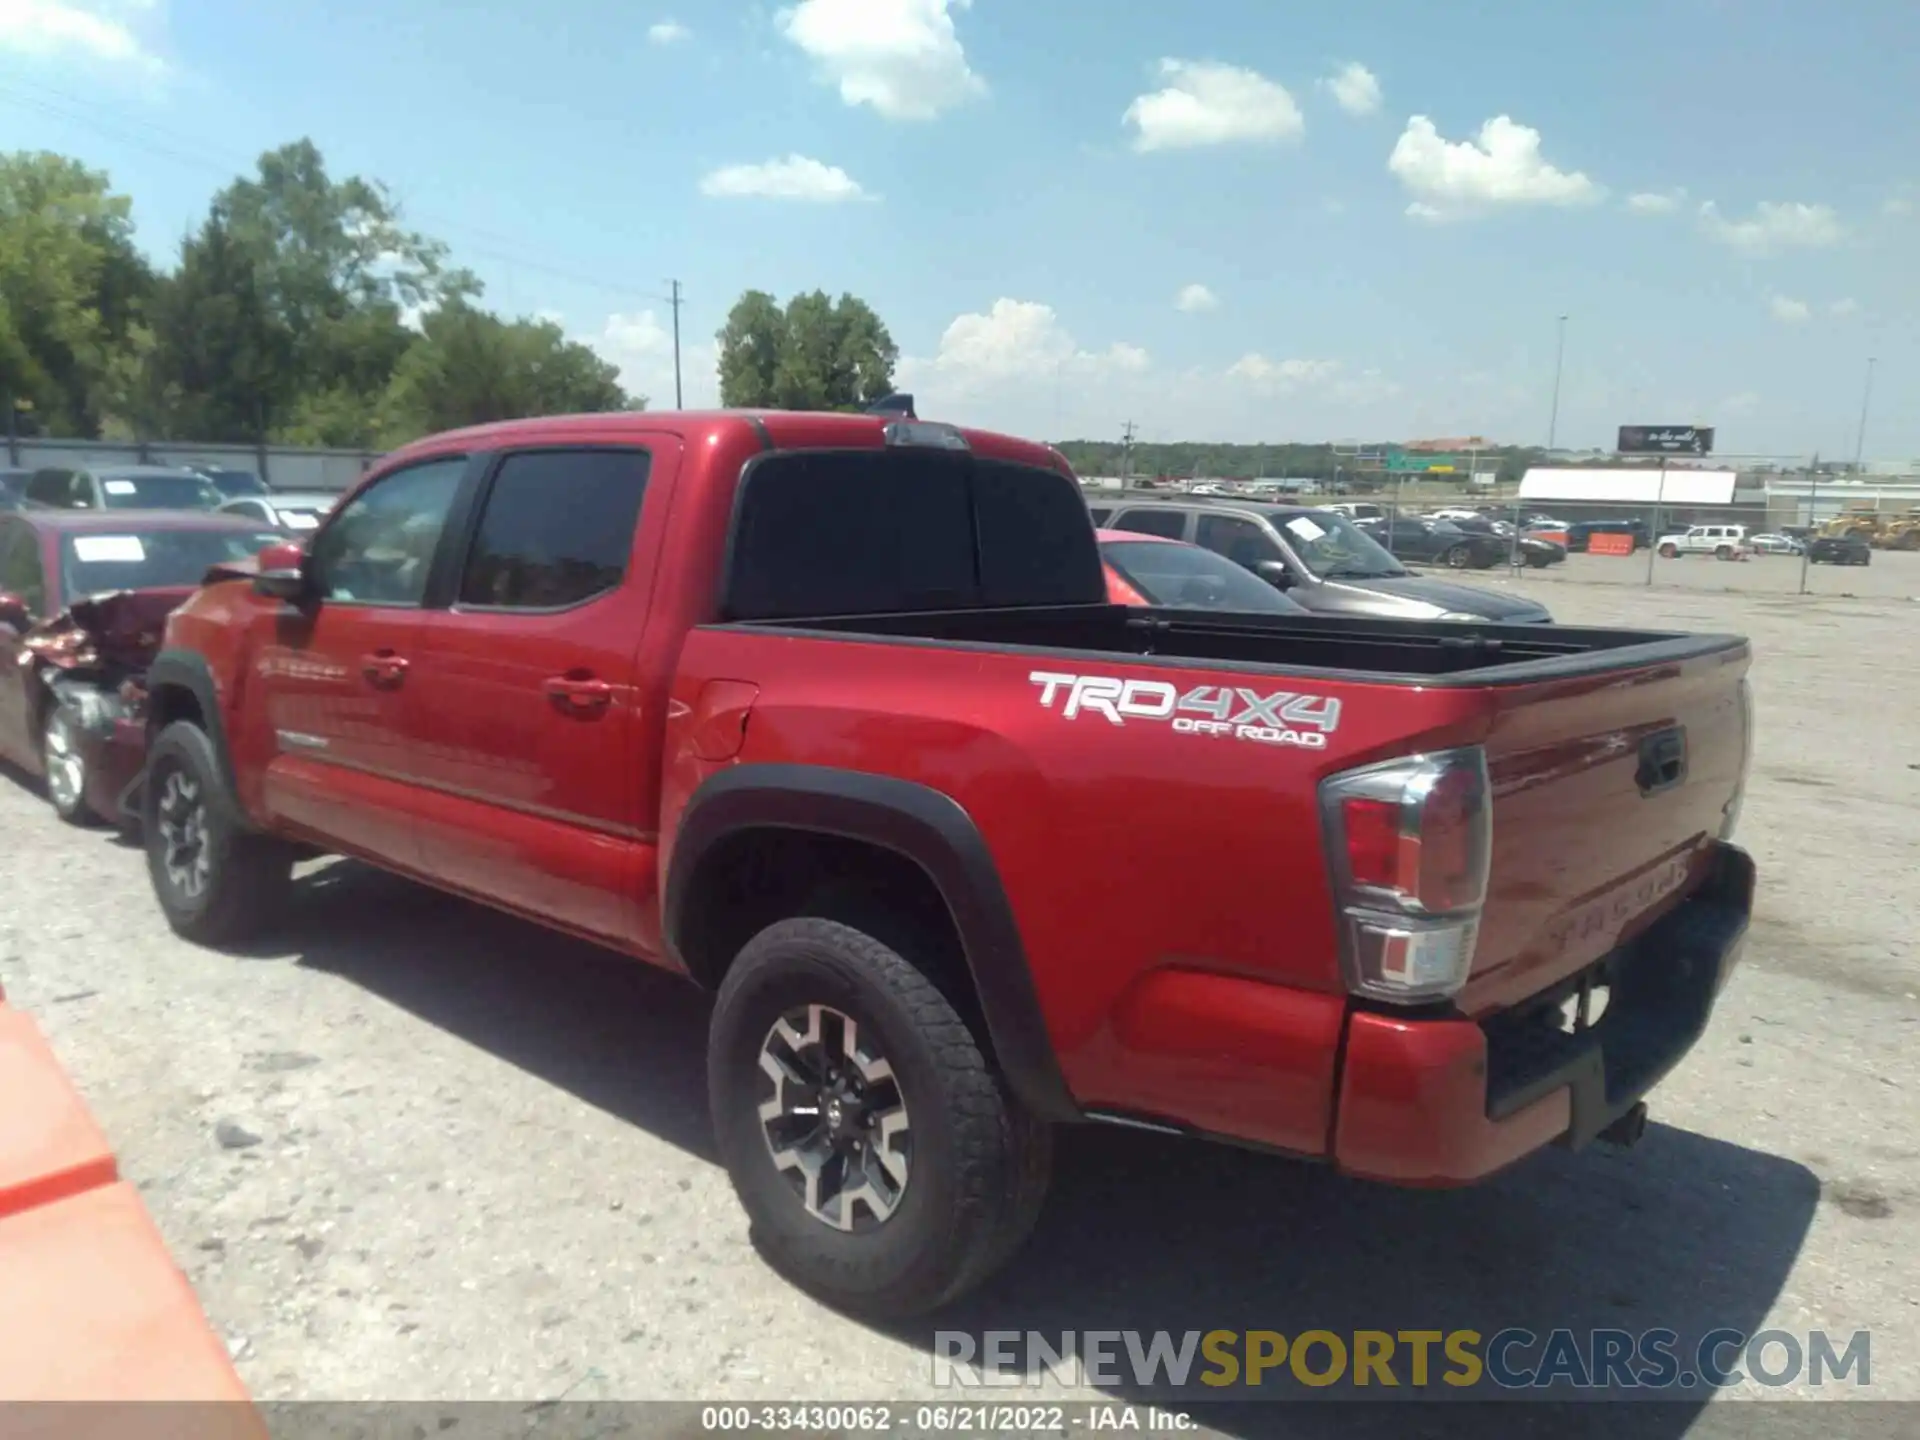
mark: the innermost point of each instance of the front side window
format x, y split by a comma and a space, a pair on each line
379, 548
557, 529
52, 487
1332, 547
1240, 540
150, 559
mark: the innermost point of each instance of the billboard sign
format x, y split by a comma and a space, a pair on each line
1665, 440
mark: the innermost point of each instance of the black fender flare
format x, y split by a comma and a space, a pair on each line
922, 825
187, 670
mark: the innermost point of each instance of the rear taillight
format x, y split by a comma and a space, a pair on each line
1409, 843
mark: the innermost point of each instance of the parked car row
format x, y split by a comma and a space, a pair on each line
1324, 561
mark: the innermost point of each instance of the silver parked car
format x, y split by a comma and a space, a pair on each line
1320, 558
296, 512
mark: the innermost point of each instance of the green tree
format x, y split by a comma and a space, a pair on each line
469, 367
285, 318
816, 354
72, 290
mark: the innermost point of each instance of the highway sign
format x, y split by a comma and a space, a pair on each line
1407, 462
1665, 440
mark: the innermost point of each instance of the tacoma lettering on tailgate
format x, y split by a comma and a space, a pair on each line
1219, 711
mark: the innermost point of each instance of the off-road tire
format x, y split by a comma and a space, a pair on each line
249, 875
980, 1161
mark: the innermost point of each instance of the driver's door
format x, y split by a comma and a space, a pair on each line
332, 674
22, 573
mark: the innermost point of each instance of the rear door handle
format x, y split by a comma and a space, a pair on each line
580, 695
383, 669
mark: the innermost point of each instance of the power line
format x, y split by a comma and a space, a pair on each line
72, 109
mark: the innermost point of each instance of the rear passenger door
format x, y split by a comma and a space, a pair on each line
525, 708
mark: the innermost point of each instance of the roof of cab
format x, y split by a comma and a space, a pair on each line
778, 429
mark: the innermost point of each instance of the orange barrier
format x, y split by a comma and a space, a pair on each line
1558, 537
95, 1309
1603, 543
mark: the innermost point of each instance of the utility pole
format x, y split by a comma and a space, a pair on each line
1127, 432
1866, 402
1559, 359
674, 300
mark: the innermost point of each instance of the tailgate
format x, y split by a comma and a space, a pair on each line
1607, 792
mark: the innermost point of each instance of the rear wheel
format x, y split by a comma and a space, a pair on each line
882, 1161
1723, 552
218, 882
64, 763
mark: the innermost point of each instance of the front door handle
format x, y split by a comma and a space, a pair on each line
579, 695
383, 669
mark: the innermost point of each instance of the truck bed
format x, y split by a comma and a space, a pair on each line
1423, 652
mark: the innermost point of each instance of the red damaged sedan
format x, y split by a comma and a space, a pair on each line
84, 596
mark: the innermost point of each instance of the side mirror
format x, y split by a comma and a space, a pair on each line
14, 611
1276, 573
282, 573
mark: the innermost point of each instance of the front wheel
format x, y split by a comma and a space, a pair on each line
217, 881
64, 761
1669, 552
882, 1162
1457, 557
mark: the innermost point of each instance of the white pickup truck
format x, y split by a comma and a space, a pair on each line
1723, 542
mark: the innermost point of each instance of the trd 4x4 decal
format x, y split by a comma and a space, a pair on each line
1282, 718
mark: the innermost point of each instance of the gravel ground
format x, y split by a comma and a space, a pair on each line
422, 1151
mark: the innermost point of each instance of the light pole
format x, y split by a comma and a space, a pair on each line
1559, 359
1866, 403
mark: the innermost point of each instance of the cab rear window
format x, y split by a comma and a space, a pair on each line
853, 532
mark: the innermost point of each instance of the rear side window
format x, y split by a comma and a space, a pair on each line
557, 529
1171, 524
868, 532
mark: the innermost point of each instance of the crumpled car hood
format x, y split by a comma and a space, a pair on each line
119, 630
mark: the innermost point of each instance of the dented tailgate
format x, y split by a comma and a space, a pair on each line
1608, 792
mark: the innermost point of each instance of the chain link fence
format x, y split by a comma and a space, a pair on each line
280, 467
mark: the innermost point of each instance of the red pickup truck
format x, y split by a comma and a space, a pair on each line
830, 714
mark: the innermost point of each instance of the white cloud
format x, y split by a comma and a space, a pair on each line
1014, 341
1258, 369
1775, 225
1355, 88
1789, 311
1195, 297
95, 29
902, 57
795, 178
1844, 307
1503, 166
668, 32
1656, 202
643, 349
1207, 103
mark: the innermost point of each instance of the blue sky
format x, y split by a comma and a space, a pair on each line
1228, 219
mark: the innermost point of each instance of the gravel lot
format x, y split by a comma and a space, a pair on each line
423, 1151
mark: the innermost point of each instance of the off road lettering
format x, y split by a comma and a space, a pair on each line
1220, 711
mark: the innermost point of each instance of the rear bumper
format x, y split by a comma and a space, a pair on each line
1450, 1101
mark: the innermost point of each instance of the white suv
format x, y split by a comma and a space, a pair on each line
1724, 542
